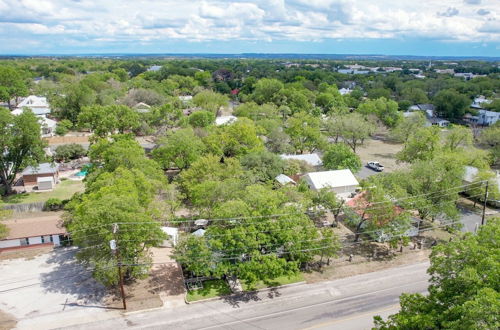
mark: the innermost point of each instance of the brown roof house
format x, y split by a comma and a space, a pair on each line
31, 232
42, 177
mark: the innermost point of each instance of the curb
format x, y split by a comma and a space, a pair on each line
244, 292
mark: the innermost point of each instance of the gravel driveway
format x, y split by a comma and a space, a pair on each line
48, 284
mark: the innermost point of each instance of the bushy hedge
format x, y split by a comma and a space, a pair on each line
69, 151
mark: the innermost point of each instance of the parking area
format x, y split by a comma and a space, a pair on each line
47, 285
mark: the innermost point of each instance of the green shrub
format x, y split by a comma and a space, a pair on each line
69, 151
201, 118
53, 204
63, 127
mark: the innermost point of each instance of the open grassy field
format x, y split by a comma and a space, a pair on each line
63, 190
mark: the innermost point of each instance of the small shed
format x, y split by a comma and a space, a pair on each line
284, 180
45, 183
31, 174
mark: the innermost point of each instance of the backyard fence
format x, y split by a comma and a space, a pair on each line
25, 207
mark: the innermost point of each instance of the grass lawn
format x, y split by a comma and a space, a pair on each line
63, 190
212, 288
282, 280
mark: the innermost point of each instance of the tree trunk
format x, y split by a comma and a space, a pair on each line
358, 228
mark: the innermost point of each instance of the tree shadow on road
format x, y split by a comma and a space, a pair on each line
236, 299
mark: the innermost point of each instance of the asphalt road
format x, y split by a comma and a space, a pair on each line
348, 303
366, 172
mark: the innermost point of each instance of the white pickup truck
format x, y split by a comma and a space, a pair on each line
376, 166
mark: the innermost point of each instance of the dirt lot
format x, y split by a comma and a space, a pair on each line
381, 151
164, 287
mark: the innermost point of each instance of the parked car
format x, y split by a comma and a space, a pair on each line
376, 166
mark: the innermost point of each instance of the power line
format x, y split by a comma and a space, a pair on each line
287, 214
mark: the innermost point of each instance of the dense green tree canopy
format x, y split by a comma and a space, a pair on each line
464, 290
179, 149
21, 143
451, 104
339, 156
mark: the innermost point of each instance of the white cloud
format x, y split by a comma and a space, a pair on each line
298, 20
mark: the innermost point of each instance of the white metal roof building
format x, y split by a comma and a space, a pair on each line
223, 120
342, 182
37, 104
311, 159
284, 180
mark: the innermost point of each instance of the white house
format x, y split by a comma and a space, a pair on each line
31, 232
439, 122
484, 117
344, 91
342, 182
37, 104
311, 159
479, 102
487, 118
223, 120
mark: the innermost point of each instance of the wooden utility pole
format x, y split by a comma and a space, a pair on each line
113, 245
485, 201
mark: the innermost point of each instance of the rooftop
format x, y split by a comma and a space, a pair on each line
332, 179
311, 159
43, 168
30, 227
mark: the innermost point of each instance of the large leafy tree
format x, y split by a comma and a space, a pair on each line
263, 165
210, 101
267, 91
104, 120
451, 104
260, 248
407, 126
120, 197
458, 137
179, 149
21, 144
386, 110
422, 145
354, 129
339, 156
236, 139
12, 84
490, 137
304, 132
464, 290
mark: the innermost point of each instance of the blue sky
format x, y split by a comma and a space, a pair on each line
392, 27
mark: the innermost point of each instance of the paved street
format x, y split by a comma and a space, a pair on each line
348, 303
